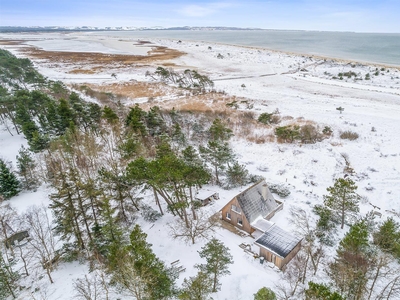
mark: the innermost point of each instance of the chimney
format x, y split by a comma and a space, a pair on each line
264, 191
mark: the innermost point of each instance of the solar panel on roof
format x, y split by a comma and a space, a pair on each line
278, 241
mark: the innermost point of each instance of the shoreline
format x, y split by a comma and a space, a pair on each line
201, 39
298, 54
111, 42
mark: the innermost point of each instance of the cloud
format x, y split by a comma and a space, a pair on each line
195, 10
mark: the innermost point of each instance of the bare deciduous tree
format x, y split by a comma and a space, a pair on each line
7, 217
92, 287
199, 227
303, 227
42, 239
291, 286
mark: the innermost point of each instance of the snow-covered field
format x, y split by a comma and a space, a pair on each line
298, 86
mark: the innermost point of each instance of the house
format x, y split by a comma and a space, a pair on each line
206, 196
253, 204
251, 211
278, 246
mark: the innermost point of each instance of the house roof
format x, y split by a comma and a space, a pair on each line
261, 224
278, 241
257, 201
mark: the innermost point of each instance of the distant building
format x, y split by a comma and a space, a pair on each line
16, 237
251, 210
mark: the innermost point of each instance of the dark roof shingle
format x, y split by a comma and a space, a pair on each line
278, 241
257, 201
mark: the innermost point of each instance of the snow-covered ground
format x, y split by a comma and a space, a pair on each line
300, 87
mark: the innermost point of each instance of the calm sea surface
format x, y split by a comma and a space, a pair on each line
383, 48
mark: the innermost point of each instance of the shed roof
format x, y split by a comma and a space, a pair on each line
278, 241
257, 201
204, 194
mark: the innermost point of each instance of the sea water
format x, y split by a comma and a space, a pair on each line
381, 48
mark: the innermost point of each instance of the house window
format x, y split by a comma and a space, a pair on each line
240, 222
228, 216
236, 209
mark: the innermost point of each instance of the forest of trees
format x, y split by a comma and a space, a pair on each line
98, 160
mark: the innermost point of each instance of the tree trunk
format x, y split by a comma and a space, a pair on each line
216, 174
24, 261
343, 211
157, 201
191, 203
214, 289
49, 275
10, 289
375, 277
305, 268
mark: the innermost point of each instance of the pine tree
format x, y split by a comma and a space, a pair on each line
264, 294
217, 263
155, 123
65, 211
8, 279
107, 235
317, 291
219, 132
218, 155
135, 120
237, 175
109, 115
196, 288
65, 116
342, 198
388, 237
38, 142
26, 168
159, 281
177, 135
353, 262
9, 184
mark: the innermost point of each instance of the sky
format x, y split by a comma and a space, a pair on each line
324, 15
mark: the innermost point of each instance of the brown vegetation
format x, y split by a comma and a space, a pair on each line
127, 90
157, 54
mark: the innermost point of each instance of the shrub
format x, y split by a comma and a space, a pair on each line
265, 294
325, 224
309, 134
327, 130
349, 135
149, 214
279, 189
265, 118
287, 133
388, 237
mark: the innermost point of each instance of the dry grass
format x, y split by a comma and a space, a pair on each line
82, 71
132, 89
349, 135
90, 63
161, 53
11, 42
